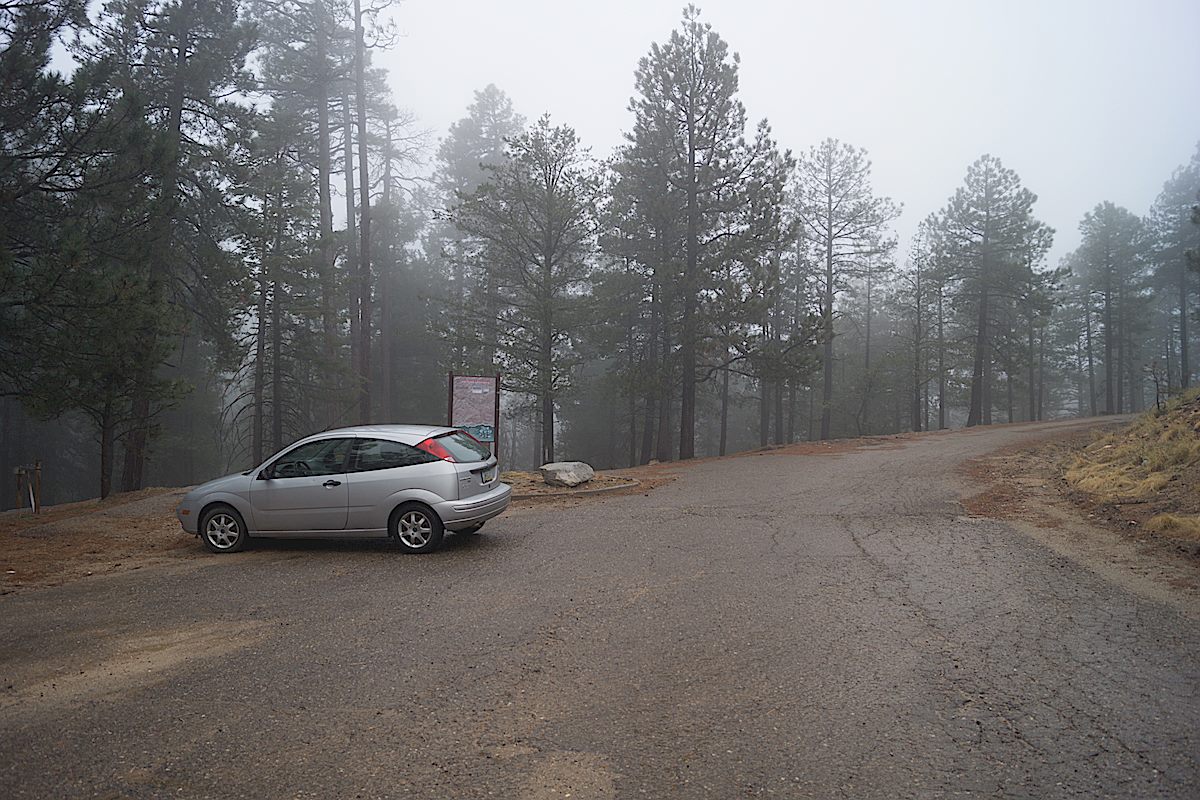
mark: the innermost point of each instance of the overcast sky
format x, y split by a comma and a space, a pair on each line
1087, 101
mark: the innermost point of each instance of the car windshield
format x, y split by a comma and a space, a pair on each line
464, 447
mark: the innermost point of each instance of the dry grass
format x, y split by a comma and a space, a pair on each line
1178, 526
1159, 453
1146, 476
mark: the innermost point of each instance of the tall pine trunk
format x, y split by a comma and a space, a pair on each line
138, 440
791, 413
764, 412
633, 442
351, 238
1109, 396
777, 390
1169, 354
1185, 370
260, 362
941, 359
663, 447
1041, 377
387, 276
1091, 359
1032, 382
868, 382
687, 345
277, 328
724, 411
916, 398
545, 376
108, 426
827, 317
327, 252
1121, 327
917, 334
364, 249
655, 365
545, 373
981, 373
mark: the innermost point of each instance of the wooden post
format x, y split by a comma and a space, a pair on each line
450, 403
37, 487
496, 429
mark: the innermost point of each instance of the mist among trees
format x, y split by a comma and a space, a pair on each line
219, 232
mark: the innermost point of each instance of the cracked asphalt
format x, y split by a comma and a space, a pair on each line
774, 625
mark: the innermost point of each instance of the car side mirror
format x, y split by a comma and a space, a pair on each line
265, 475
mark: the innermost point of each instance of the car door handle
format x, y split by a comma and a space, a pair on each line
329, 484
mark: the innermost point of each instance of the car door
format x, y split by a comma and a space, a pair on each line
304, 489
379, 468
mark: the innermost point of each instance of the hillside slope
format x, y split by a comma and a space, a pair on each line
1154, 463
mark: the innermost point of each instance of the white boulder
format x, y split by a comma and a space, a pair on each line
566, 473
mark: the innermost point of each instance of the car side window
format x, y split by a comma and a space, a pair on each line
373, 454
322, 457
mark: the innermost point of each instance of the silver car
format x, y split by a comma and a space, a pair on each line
410, 482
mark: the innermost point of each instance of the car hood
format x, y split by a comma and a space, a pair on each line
236, 483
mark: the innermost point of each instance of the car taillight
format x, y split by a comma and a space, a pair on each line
434, 448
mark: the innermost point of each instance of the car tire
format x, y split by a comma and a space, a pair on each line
416, 528
222, 529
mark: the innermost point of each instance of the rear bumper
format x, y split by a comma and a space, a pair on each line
459, 514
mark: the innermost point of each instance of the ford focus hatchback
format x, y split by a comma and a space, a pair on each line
409, 482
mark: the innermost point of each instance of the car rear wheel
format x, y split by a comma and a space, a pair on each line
416, 528
222, 530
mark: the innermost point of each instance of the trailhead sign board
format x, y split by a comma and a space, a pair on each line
475, 406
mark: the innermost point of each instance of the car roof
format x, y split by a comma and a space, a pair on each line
409, 434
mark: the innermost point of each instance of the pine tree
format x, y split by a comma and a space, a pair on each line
990, 237
303, 61
644, 224
1174, 236
536, 216
843, 225
687, 120
475, 143
182, 60
1113, 254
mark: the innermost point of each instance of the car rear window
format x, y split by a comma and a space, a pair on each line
464, 447
372, 454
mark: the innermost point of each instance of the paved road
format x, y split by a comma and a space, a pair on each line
787, 626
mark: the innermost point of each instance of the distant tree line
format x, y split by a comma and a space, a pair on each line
219, 232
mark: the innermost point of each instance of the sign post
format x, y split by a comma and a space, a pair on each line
29, 479
474, 406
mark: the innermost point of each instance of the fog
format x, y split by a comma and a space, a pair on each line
1085, 99
225, 225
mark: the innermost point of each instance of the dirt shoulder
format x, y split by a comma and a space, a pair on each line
93, 537
1026, 485
134, 530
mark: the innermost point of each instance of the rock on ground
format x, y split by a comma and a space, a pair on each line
566, 473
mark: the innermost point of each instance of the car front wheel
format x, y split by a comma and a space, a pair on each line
222, 530
416, 528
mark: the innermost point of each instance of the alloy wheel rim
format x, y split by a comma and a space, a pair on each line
222, 531
415, 529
